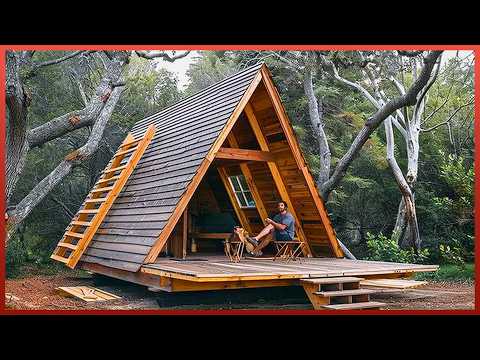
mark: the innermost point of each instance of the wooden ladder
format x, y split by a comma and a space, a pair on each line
85, 223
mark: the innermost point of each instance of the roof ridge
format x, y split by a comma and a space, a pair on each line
258, 65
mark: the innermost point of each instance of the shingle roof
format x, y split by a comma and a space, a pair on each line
185, 132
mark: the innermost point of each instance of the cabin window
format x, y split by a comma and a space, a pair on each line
242, 192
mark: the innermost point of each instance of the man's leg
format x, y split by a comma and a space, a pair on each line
267, 240
266, 230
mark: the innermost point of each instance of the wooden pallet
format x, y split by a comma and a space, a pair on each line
85, 223
339, 293
86, 293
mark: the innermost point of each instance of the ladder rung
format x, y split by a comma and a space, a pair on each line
59, 258
74, 234
97, 200
81, 223
108, 180
88, 211
115, 169
131, 143
67, 245
102, 190
125, 152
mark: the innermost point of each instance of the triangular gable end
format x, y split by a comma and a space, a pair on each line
310, 235
189, 136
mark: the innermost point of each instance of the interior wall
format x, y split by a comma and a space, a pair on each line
212, 196
292, 176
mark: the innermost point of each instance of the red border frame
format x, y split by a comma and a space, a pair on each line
4, 48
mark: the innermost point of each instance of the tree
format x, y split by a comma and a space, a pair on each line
97, 111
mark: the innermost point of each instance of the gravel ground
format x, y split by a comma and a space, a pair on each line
38, 292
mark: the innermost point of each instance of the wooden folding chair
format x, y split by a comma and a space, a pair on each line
288, 250
235, 245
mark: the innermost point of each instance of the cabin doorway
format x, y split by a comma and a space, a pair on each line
211, 215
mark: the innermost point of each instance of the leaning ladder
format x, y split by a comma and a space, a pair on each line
85, 223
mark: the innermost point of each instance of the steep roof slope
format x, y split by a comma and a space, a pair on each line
185, 132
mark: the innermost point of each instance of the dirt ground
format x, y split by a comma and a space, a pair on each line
38, 293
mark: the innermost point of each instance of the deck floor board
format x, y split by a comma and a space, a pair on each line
220, 267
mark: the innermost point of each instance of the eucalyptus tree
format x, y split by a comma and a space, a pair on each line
308, 64
381, 75
97, 107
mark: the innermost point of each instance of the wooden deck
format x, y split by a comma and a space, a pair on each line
218, 268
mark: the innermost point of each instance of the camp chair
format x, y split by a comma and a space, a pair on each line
288, 250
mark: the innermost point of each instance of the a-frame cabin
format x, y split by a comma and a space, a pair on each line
185, 176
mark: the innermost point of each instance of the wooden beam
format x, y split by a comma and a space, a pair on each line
187, 195
244, 154
251, 184
240, 214
185, 233
282, 190
299, 158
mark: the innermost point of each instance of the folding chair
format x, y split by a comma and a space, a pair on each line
235, 245
234, 249
289, 250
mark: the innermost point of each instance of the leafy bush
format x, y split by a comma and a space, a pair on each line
449, 273
454, 254
381, 248
15, 257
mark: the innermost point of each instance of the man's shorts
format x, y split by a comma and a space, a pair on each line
278, 236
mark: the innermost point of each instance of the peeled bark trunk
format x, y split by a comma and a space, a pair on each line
406, 230
316, 121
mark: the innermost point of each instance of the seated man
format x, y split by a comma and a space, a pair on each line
281, 228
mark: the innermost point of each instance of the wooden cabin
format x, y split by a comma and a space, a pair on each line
184, 177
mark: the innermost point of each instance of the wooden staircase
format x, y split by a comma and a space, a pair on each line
339, 293
85, 223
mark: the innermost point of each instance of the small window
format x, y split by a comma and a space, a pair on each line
242, 192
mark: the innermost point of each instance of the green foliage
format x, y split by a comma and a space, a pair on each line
381, 248
449, 272
365, 202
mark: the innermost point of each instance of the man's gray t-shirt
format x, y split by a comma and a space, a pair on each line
288, 220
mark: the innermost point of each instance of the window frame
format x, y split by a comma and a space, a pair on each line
242, 192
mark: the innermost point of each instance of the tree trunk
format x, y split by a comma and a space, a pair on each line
407, 99
316, 121
17, 101
406, 230
41, 190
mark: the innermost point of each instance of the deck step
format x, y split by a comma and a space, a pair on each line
345, 292
355, 306
332, 280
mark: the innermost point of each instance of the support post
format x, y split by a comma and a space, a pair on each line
185, 233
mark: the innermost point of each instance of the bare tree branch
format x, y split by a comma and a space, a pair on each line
409, 99
36, 66
449, 118
161, 54
410, 53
